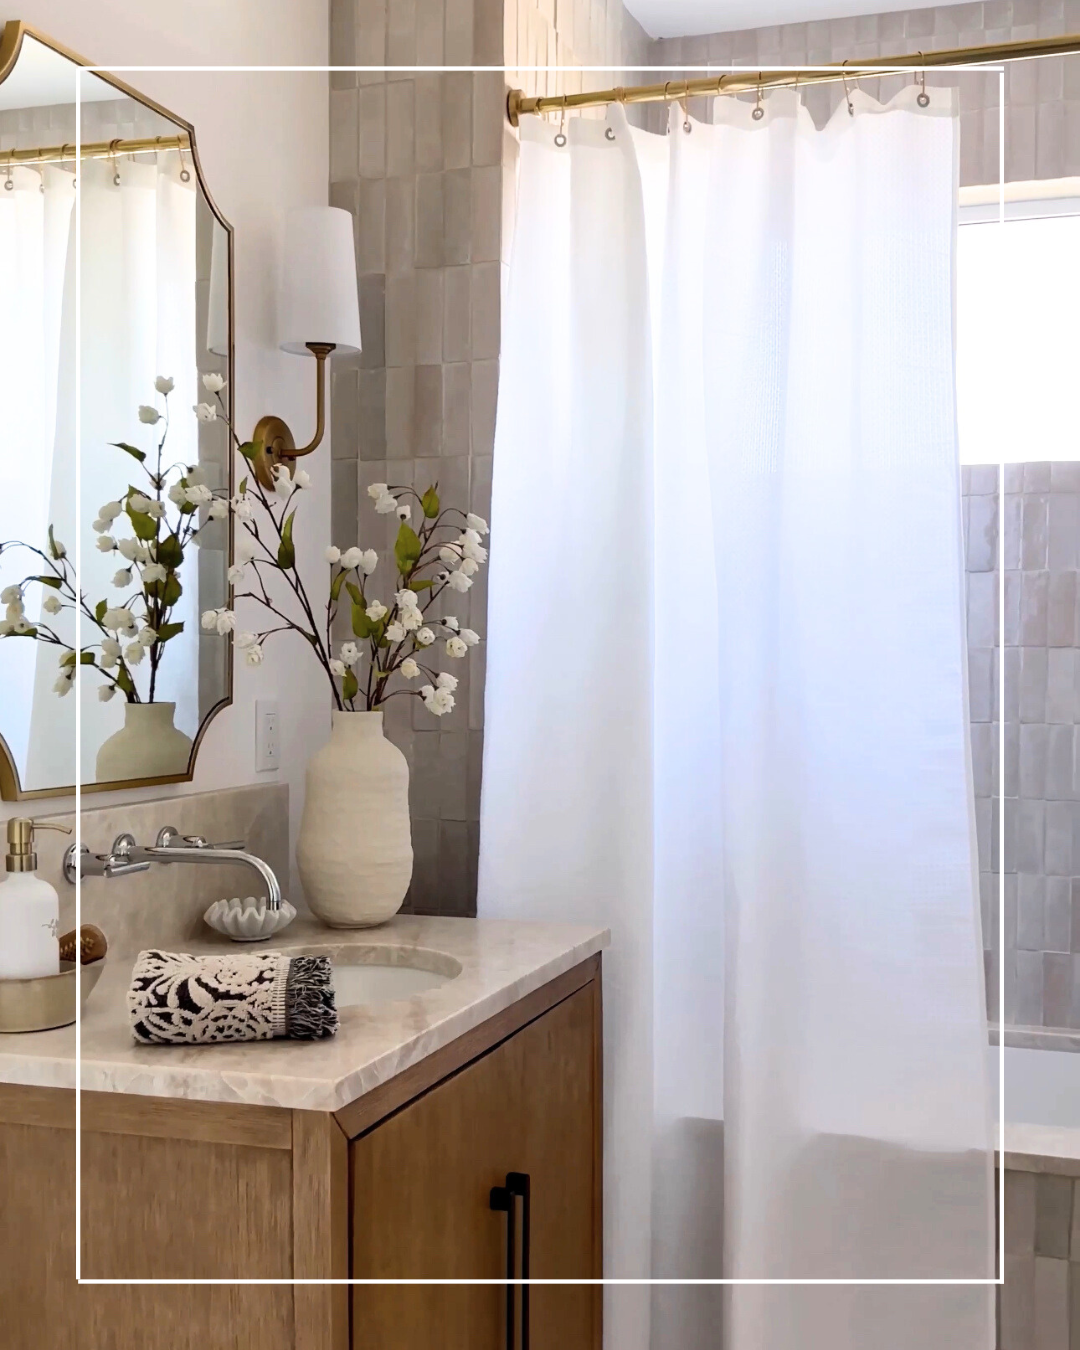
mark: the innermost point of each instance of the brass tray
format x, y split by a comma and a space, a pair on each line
45, 1002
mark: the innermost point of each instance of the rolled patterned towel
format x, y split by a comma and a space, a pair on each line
197, 1000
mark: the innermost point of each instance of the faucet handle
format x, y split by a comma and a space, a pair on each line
170, 837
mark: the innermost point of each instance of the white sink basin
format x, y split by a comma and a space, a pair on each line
368, 973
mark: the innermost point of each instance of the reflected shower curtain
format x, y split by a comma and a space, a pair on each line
726, 710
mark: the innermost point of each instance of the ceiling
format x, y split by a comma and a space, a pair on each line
679, 18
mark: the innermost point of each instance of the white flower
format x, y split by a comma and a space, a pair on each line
110, 650
350, 653
205, 412
14, 611
469, 566
404, 511
194, 474
198, 494
155, 510
11, 595
63, 684
20, 626
446, 681
153, 572
301, 479
385, 505
459, 581
122, 578
246, 640
243, 507
105, 692
148, 636
351, 558
246, 546
451, 623
477, 523
395, 632
409, 668
283, 482
99, 526
425, 637
163, 384
226, 621
407, 599
437, 701
253, 656
471, 546
118, 620
106, 543
129, 549
6, 628
449, 555
410, 619
148, 415
139, 503
51, 604
368, 562
337, 668
178, 494
469, 637
213, 383
219, 509
377, 490
109, 511
134, 653
333, 554
455, 646
375, 611
236, 573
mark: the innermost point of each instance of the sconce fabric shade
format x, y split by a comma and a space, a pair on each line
318, 301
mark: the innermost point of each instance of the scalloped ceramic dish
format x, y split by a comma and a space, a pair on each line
248, 920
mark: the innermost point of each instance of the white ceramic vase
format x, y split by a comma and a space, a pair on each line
146, 746
354, 851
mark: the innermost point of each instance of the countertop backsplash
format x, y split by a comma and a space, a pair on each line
164, 906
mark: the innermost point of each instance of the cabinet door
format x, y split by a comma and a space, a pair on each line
421, 1183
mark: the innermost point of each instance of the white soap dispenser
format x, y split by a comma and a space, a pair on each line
29, 908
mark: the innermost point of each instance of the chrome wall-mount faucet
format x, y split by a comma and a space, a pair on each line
126, 857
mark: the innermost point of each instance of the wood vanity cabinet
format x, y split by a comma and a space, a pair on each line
397, 1185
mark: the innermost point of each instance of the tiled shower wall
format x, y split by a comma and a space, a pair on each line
1042, 98
421, 161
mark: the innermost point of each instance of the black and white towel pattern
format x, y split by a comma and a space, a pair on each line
198, 1000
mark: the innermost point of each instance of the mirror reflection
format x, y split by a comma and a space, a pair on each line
114, 347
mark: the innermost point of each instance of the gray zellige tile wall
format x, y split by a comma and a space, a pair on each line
1041, 625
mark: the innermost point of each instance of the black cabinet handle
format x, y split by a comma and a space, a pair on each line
518, 1183
503, 1199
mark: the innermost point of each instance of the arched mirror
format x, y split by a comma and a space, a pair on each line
116, 359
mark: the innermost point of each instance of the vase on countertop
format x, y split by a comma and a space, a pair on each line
146, 746
354, 851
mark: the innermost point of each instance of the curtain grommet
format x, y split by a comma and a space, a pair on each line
610, 134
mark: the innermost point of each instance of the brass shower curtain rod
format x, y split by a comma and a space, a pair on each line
58, 154
744, 81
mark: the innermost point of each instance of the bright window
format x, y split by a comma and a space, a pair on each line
1018, 325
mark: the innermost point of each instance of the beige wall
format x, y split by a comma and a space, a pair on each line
263, 144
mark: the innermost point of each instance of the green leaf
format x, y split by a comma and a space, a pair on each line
99, 609
407, 549
381, 675
145, 526
171, 590
429, 503
361, 624
68, 659
30, 633
47, 581
169, 630
124, 681
54, 550
130, 449
243, 486
286, 554
336, 585
86, 658
421, 584
169, 551
356, 593
249, 450
349, 685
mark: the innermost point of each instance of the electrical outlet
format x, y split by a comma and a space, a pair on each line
267, 737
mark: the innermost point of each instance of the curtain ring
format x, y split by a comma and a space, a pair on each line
112, 160
185, 176
560, 135
923, 99
759, 111
847, 93
687, 125
9, 186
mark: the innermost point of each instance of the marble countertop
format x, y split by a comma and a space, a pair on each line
501, 962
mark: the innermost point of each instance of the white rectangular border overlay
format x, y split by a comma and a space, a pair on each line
705, 70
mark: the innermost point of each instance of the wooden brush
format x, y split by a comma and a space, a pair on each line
90, 941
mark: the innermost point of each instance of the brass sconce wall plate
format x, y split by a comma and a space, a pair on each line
272, 437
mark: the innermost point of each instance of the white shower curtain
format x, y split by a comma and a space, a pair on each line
726, 708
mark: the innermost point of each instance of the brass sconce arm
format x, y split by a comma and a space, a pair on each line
273, 436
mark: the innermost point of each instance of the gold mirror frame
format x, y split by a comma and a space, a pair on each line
11, 40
